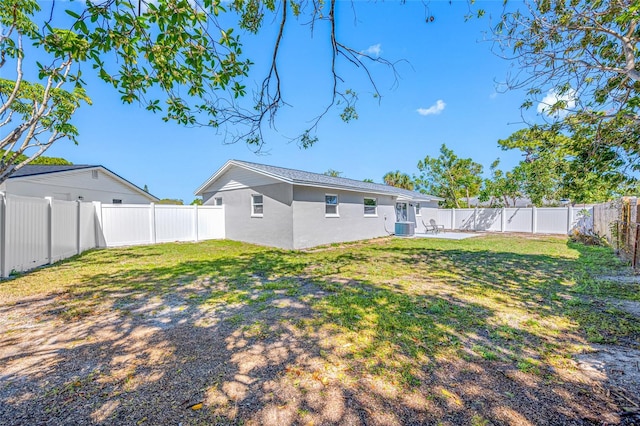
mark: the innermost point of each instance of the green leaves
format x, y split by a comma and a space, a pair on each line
557, 165
450, 177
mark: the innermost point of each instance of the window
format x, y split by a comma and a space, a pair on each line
94, 174
116, 201
370, 207
417, 209
257, 205
331, 205
217, 201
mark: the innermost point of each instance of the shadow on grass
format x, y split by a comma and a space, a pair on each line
378, 335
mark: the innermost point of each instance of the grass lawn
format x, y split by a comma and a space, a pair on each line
391, 331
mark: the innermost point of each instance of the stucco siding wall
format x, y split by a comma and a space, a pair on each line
70, 186
274, 228
311, 227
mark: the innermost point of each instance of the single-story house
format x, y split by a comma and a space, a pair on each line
294, 209
74, 183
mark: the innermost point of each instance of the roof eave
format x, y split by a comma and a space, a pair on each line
107, 171
343, 188
226, 166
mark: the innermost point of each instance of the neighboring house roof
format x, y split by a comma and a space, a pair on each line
299, 177
40, 169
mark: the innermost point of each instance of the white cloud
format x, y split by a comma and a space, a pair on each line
374, 50
552, 97
493, 95
434, 109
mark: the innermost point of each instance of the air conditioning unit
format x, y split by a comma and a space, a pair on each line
405, 229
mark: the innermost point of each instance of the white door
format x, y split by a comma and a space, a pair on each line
401, 212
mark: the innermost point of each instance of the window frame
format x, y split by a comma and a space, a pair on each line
375, 207
116, 201
337, 205
217, 201
418, 207
254, 204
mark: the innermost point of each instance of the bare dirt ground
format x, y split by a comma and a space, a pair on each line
174, 364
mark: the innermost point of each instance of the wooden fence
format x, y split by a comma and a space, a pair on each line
618, 222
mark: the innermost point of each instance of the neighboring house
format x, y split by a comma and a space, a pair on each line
75, 182
294, 209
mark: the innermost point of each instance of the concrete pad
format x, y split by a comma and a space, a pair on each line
449, 235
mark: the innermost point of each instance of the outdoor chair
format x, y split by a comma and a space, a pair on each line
432, 227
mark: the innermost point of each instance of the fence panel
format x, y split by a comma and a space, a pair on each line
64, 233
553, 220
518, 219
175, 223
87, 227
604, 218
488, 219
26, 233
126, 224
37, 231
211, 223
465, 219
444, 218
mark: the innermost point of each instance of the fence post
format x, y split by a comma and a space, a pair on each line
534, 220
78, 227
50, 229
152, 222
97, 206
195, 223
569, 217
3, 235
453, 219
503, 219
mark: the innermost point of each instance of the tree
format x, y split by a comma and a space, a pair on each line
579, 60
42, 160
368, 180
561, 166
502, 189
399, 180
172, 201
332, 173
196, 202
450, 177
180, 58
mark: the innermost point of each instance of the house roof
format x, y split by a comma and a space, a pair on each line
42, 169
300, 177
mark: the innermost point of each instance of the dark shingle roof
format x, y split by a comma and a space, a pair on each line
316, 179
38, 169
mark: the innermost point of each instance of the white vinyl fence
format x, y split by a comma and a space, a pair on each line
40, 231
543, 220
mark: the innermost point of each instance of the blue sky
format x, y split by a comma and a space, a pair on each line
446, 93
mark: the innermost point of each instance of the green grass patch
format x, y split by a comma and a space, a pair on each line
387, 308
